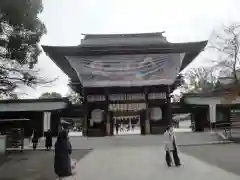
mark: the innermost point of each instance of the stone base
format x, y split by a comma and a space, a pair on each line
95, 133
158, 130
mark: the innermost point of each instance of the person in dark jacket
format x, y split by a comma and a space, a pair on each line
35, 139
62, 159
48, 142
117, 127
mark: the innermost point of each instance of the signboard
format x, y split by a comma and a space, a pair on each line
94, 98
235, 115
152, 96
127, 70
126, 97
127, 107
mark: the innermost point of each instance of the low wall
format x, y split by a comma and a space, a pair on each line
2, 144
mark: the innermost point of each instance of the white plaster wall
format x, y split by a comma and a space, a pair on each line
36, 106
46, 121
210, 100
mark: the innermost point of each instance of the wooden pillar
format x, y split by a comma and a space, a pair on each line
108, 125
169, 107
108, 118
85, 118
147, 119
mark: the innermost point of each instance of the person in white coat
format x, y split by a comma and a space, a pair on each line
171, 147
168, 146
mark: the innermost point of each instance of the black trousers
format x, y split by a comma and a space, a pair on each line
34, 145
168, 158
175, 158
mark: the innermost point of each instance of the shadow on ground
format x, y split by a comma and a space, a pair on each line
32, 165
4, 159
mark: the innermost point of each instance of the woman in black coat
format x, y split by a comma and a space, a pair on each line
35, 139
62, 160
48, 142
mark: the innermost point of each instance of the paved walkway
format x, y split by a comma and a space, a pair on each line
144, 163
136, 140
135, 131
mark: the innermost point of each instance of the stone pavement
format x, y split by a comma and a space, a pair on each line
144, 163
32, 165
224, 156
137, 140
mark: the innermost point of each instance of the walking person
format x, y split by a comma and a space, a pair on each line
171, 148
175, 150
48, 142
30, 137
62, 159
133, 126
117, 127
121, 127
35, 140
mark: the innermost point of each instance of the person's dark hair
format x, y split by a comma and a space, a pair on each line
168, 127
62, 136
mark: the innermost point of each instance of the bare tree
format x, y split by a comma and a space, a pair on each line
176, 97
226, 43
75, 98
201, 79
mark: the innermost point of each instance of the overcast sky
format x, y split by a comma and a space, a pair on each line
183, 21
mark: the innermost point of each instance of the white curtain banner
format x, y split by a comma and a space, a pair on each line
127, 70
97, 115
156, 113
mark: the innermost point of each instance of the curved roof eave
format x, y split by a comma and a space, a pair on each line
58, 53
151, 48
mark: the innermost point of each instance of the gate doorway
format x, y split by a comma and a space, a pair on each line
127, 123
124, 125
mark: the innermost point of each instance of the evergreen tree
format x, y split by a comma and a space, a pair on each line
20, 33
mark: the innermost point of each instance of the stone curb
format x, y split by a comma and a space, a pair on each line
207, 143
43, 149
